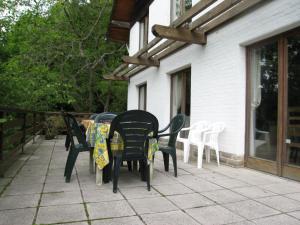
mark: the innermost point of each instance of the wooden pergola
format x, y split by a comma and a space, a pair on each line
178, 35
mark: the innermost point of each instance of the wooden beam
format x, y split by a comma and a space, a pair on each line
215, 17
179, 34
214, 12
197, 8
120, 24
140, 61
229, 14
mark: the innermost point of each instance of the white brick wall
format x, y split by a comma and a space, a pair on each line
218, 71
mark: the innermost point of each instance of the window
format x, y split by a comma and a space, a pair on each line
144, 23
143, 97
181, 94
179, 7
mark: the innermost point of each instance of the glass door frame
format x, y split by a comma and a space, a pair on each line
279, 167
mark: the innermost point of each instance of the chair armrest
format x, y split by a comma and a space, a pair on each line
185, 129
163, 130
164, 135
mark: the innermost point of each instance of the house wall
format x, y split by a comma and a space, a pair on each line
218, 71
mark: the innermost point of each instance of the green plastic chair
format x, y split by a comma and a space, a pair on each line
73, 130
175, 126
134, 127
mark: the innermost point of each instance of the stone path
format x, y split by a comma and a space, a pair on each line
34, 192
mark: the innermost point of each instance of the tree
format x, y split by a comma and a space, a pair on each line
57, 55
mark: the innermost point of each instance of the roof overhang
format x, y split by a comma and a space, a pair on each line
124, 14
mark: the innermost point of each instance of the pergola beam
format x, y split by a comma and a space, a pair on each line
207, 22
179, 34
140, 61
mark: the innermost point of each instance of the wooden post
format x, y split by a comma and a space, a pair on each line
24, 132
34, 128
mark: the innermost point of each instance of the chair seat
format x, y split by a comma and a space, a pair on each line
166, 149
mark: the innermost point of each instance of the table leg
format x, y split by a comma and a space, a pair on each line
92, 164
99, 175
151, 170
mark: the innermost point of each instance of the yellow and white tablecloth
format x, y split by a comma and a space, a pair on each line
96, 136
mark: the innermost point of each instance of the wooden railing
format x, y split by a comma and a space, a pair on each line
18, 127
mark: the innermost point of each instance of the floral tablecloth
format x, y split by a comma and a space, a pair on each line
96, 135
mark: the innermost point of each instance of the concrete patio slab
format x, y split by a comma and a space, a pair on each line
17, 216
109, 209
61, 198
131, 220
251, 209
61, 213
277, 220
211, 195
253, 192
152, 205
188, 201
173, 189
19, 201
138, 192
215, 214
101, 195
170, 218
223, 196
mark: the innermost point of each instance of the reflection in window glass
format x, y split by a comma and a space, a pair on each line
293, 131
264, 98
181, 94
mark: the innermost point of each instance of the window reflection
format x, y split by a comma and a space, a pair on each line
293, 131
264, 97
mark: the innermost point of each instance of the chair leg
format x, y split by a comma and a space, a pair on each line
148, 176
117, 165
174, 157
143, 170
186, 151
207, 154
92, 164
218, 156
135, 165
166, 161
200, 155
70, 164
129, 165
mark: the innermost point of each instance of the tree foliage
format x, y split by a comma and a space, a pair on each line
54, 55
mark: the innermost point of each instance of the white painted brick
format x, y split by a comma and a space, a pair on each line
218, 71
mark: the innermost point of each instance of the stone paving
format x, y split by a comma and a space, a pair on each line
33, 191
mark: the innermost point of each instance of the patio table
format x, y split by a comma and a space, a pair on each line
86, 123
96, 136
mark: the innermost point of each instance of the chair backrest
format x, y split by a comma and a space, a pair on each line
93, 116
176, 125
215, 129
197, 130
105, 117
73, 129
134, 126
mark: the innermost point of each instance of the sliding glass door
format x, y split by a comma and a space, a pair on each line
273, 105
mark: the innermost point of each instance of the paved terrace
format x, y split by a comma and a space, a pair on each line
34, 192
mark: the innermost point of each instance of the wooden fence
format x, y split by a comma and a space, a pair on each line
18, 127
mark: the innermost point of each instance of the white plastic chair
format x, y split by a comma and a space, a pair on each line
195, 137
210, 141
